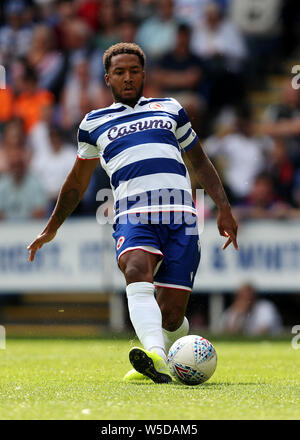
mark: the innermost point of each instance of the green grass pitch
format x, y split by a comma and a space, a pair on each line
82, 379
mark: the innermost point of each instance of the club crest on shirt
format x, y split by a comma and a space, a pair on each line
120, 242
155, 106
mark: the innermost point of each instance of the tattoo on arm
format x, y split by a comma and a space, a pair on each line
66, 204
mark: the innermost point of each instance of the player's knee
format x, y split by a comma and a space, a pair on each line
137, 271
138, 266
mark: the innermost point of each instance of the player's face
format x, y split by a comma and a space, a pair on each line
126, 78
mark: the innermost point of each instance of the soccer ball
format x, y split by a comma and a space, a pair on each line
192, 359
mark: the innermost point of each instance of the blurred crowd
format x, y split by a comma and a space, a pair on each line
207, 54
251, 315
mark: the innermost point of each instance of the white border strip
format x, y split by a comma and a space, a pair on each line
172, 286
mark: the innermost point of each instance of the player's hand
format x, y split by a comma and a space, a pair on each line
41, 239
228, 227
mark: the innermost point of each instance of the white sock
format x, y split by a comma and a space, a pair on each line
171, 337
145, 316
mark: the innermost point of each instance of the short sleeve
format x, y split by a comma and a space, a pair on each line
185, 134
86, 148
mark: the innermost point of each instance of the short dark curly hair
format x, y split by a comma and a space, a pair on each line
120, 48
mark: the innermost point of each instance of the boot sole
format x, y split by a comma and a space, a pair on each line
145, 365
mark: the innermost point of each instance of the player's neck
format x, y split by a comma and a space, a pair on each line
131, 103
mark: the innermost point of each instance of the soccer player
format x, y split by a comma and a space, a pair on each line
140, 142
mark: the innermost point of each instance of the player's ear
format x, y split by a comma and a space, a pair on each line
107, 79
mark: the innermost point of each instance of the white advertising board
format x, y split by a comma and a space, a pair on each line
82, 258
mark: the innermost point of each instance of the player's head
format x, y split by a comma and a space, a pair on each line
124, 65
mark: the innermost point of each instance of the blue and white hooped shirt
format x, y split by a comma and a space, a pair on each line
140, 149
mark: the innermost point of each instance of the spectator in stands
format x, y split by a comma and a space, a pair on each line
81, 94
219, 43
49, 154
281, 168
60, 65
78, 44
48, 12
108, 32
180, 74
15, 35
189, 11
259, 22
192, 11
38, 138
283, 119
145, 9
22, 195
31, 99
249, 315
126, 9
77, 35
89, 11
65, 13
157, 34
15, 73
288, 106
14, 138
262, 202
45, 59
53, 166
217, 36
127, 30
239, 155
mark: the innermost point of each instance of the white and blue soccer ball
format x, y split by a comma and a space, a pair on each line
192, 359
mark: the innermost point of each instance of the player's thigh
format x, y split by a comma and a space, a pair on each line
181, 256
173, 304
138, 265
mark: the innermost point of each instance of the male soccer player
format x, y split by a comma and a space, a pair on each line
140, 142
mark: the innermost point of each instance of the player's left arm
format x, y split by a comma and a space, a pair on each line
210, 181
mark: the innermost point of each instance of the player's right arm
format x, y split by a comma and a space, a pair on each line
70, 195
